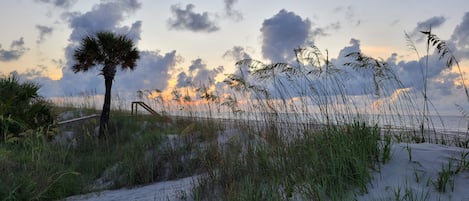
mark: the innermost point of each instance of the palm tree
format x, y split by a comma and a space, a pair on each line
108, 50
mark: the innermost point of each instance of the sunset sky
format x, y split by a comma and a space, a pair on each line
192, 41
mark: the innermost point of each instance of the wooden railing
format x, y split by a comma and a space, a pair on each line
70, 121
135, 104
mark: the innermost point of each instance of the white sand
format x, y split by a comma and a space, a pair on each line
398, 175
167, 191
427, 161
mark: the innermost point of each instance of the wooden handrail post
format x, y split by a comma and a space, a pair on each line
145, 106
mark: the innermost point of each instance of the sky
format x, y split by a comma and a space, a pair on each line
184, 42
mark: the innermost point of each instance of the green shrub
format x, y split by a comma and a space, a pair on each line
21, 108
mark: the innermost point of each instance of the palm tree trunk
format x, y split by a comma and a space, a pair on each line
103, 124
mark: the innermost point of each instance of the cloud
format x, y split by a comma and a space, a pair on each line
232, 13
360, 84
394, 22
59, 3
133, 32
461, 32
357, 82
43, 32
460, 38
286, 84
152, 72
152, 67
349, 14
433, 22
187, 19
319, 32
108, 16
199, 75
409, 74
282, 33
354, 47
17, 49
324, 31
183, 80
236, 53
103, 17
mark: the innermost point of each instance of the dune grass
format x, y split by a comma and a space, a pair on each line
327, 164
135, 152
259, 163
297, 132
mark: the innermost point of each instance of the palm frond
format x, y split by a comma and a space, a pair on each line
105, 48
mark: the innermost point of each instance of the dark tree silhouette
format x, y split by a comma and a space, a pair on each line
109, 51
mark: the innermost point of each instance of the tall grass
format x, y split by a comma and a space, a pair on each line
287, 102
316, 166
36, 168
298, 131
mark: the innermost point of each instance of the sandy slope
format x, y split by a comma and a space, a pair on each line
427, 161
397, 175
169, 190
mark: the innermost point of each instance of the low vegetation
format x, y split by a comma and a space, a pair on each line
36, 168
21, 109
320, 165
296, 134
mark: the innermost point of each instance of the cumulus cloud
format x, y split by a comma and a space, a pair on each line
152, 72
187, 19
199, 74
409, 73
461, 32
236, 53
354, 47
59, 3
103, 17
152, 69
231, 12
183, 80
460, 38
433, 22
441, 81
133, 32
17, 49
358, 82
44, 31
282, 33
